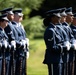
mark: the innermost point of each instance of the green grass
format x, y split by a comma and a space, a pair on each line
34, 63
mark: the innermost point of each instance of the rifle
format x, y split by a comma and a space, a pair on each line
25, 68
73, 63
12, 61
22, 63
26, 57
19, 62
3, 62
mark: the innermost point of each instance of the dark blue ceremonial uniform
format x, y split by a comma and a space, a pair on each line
70, 37
65, 38
5, 46
71, 52
12, 35
20, 30
19, 33
2, 37
74, 33
10, 32
65, 54
53, 55
20, 52
54, 38
53, 51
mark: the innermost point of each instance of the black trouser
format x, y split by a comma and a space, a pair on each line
74, 67
12, 66
64, 69
7, 65
55, 69
0, 66
24, 67
20, 66
70, 68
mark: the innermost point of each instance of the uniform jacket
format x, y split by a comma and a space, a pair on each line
53, 53
64, 36
21, 35
71, 38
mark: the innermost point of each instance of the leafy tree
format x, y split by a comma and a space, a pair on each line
24, 4
34, 26
4, 4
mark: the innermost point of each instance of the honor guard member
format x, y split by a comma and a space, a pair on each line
54, 45
66, 25
62, 32
73, 27
9, 29
13, 38
18, 17
5, 45
22, 53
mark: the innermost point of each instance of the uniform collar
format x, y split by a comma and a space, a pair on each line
16, 23
65, 23
52, 25
1, 28
73, 25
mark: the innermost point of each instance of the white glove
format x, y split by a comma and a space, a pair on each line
74, 44
27, 54
5, 43
67, 44
24, 42
13, 43
27, 41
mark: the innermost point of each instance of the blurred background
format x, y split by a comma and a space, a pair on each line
34, 13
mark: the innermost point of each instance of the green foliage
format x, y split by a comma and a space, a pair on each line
31, 4
33, 26
27, 5
34, 4
4, 3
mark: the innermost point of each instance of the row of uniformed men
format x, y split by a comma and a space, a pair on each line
60, 41
14, 45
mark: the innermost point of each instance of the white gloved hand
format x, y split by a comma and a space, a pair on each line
5, 43
24, 43
27, 54
13, 43
67, 44
27, 41
74, 44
